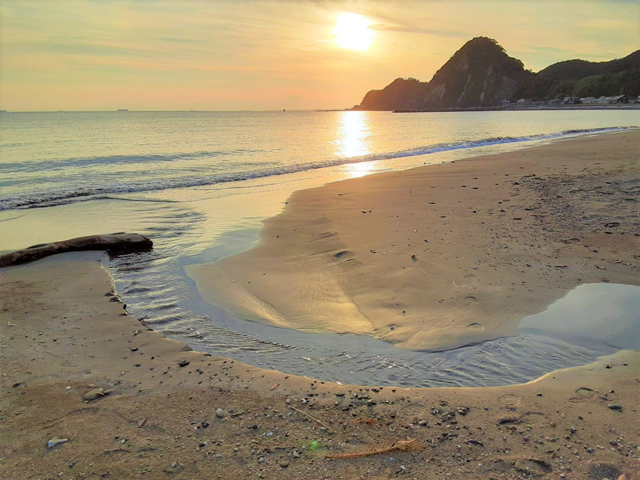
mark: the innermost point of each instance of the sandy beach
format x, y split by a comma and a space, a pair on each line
64, 333
445, 255
164, 411
319, 240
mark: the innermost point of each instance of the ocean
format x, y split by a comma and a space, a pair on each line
50, 159
200, 184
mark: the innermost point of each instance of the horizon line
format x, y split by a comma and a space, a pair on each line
173, 111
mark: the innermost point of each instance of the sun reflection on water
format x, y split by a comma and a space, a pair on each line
352, 140
352, 134
355, 170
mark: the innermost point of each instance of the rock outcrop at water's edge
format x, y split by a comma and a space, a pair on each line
114, 243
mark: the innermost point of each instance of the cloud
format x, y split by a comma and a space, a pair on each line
224, 53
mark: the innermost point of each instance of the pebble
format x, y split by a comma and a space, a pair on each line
284, 463
615, 406
219, 413
93, 394
56, 441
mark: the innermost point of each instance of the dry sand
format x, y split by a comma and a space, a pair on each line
63, 332
444, 255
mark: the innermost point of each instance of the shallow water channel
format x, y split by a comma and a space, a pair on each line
591, 321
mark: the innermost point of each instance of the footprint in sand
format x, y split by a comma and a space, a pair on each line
510, 400
583, 394
476, 326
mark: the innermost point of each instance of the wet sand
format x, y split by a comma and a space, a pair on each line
446, 255
64, 332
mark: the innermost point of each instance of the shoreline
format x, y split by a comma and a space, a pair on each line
65, 332
299, 256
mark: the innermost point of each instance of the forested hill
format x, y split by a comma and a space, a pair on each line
482, 74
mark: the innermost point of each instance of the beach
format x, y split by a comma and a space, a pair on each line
64, 332
442, 256
319, 241
128, 402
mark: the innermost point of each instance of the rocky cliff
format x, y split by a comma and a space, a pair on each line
482, 74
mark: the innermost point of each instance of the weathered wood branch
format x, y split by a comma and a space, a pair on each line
115, 243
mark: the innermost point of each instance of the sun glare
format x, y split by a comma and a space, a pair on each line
353, 32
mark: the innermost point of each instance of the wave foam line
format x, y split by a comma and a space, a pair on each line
64, 196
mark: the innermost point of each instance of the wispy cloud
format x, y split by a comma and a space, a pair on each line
81, 54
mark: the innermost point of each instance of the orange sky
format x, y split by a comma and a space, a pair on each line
231, 55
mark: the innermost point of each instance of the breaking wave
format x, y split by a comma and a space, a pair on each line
83, 193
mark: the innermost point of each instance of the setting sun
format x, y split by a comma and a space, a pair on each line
353, 32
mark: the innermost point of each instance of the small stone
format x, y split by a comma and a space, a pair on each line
56, 441
284, 463
183, 363
93, 394
219, 413
615, 406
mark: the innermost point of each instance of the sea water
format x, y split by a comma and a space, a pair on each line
200, 183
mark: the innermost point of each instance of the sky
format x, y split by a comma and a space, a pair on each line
262, 55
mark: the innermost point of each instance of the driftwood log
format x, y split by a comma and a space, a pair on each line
115, 243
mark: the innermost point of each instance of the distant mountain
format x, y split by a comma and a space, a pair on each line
590, 79
482, 74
